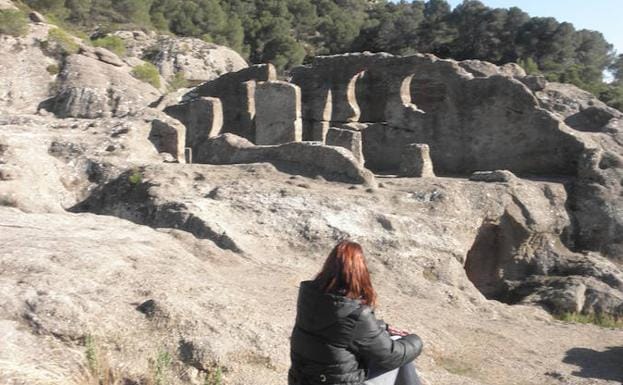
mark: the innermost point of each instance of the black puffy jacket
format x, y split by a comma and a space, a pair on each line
336, 338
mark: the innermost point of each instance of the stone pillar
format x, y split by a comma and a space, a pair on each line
415, 161
277, 113
203, 118
351, 140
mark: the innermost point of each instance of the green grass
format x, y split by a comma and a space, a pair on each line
64, 41
136, 177
148, 73
91, 353
53, 69
112, 43
13, 22
603, 320
162, 368
214, 376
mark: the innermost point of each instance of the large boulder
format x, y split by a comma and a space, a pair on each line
89, 88
196, 59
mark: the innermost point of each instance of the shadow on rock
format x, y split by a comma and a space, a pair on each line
606, 365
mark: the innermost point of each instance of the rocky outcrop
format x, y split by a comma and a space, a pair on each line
89, 88
196, 59
277, 113
26, 73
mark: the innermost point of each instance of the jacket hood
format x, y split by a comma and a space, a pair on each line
317, 310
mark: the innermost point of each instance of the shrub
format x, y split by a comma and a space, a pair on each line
178, 81
64, 41
13, 22
53, 69
603, 320
148, 73
135, 177
113, 43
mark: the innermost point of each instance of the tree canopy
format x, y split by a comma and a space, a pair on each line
287, 32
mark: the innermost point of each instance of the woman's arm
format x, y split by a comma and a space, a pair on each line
374, 345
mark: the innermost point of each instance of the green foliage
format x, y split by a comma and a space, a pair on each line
161, 367
64, 42
13, 22
288, 32
178, 81
53, 69
148, 73
112, 43
599, 319
214, 376
529, 65
136, 177
91, 354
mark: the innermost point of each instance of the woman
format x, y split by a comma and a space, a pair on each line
337, 340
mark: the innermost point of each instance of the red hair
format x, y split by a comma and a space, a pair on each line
345, 272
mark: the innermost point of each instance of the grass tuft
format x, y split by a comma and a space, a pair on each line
114, 44
64, 41
148, 73
13, 22
599, 319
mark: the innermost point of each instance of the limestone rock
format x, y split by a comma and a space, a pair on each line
25, 80
493, 176
415, 161
534, 82
36, 17
236, 90
108, 57
333, 163
348, 139
197, 60
7, 4
202, 117
90, 89
277, 113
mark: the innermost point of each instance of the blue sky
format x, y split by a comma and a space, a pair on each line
605, 16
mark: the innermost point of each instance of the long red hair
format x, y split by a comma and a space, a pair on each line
345, 272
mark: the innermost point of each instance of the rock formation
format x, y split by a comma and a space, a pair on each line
198, 272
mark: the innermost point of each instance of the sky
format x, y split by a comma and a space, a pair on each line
605, 16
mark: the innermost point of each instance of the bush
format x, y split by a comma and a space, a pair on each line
53, 69
603, 320
13, 22
65, 42
112, 43
178, 81
148, 73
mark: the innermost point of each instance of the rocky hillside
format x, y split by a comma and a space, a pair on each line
149, 238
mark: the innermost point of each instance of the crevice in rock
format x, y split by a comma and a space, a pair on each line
491, 260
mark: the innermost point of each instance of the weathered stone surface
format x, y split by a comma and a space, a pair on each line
89, 88
36, 17
236, 90
202, 117
24, 80
332, 163
534, 82
108, 57
415, 161
350, 140
315, 131
278, 113
493, 176
196, 59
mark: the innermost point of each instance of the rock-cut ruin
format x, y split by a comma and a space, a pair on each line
421, 116
182, 222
